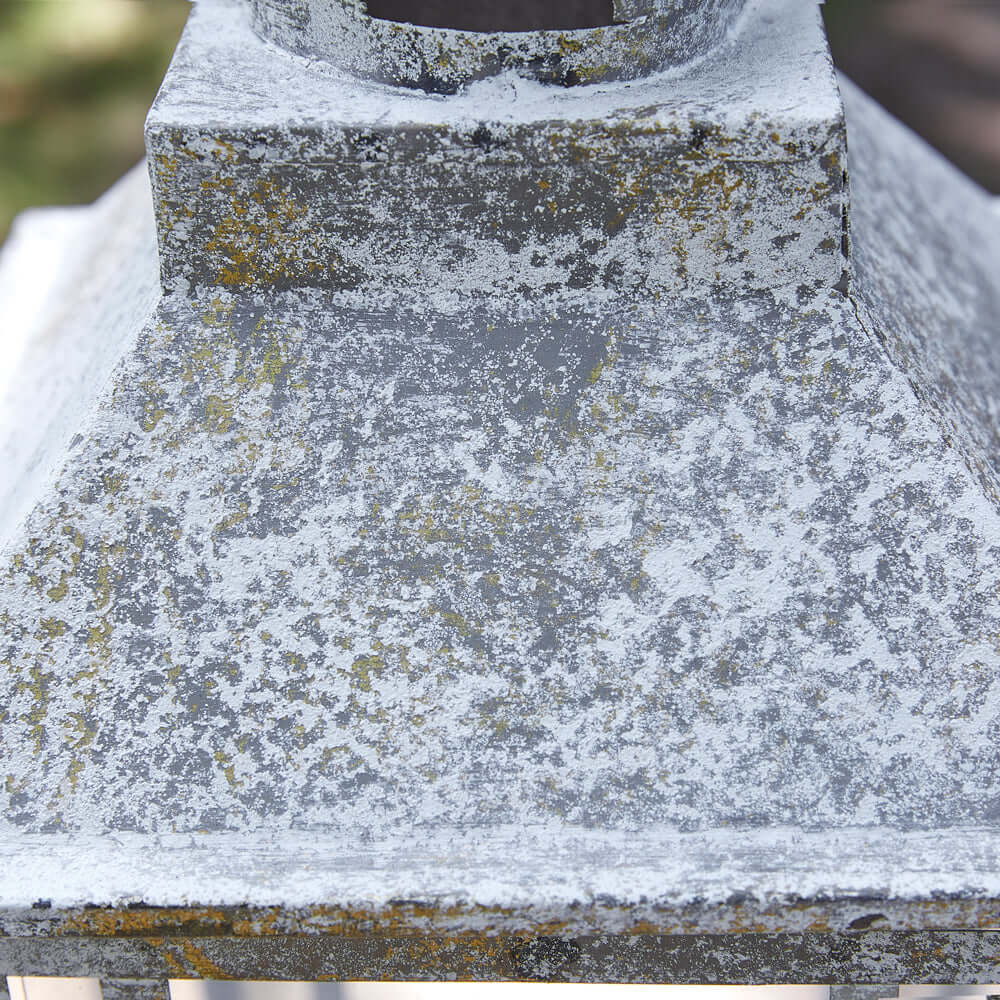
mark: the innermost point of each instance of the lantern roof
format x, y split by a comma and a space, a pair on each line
566, 514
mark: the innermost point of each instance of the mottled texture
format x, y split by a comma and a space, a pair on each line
269, 174
937, 312
63, 333
360, 571
866, 956
559, 635
135, 989
653, 35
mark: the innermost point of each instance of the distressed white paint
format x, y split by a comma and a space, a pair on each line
742, 636
62, 331
726, 173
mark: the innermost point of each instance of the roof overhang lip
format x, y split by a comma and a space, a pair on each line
544, 880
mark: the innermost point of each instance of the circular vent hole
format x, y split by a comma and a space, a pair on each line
503, 15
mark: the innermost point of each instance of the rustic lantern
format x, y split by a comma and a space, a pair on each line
530, 519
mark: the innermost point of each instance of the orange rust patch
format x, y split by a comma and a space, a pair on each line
205, 968
448, 922
174, 967
468, 950
142, 922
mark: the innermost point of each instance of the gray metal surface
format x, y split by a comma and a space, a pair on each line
366, 568
560, 577
135, 989
936, 312
273, 174
558, 636
748, 958
645, 37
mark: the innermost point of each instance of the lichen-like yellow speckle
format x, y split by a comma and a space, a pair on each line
52, 628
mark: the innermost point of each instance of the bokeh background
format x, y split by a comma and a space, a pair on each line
935, 64
76, 78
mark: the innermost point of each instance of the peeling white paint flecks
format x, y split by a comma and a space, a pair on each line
669, 34
683, 181
704, 584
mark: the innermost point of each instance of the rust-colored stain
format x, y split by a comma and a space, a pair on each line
143, 922
175, 969
205, 968
478, 927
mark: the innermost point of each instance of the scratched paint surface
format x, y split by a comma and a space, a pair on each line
653, 35
942, 326
687, 180
667, 570
364, 571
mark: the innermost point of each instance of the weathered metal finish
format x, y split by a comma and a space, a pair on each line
856, 991
135, 989
502, 516
670, 186
554, 880
50, 253
873, 956
495, 632
936, 320
659, 883
653, 36
106, 569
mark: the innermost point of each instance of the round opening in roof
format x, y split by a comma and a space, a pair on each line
503, 15
440, 45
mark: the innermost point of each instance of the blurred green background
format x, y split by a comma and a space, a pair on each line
77, 76
76, 80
